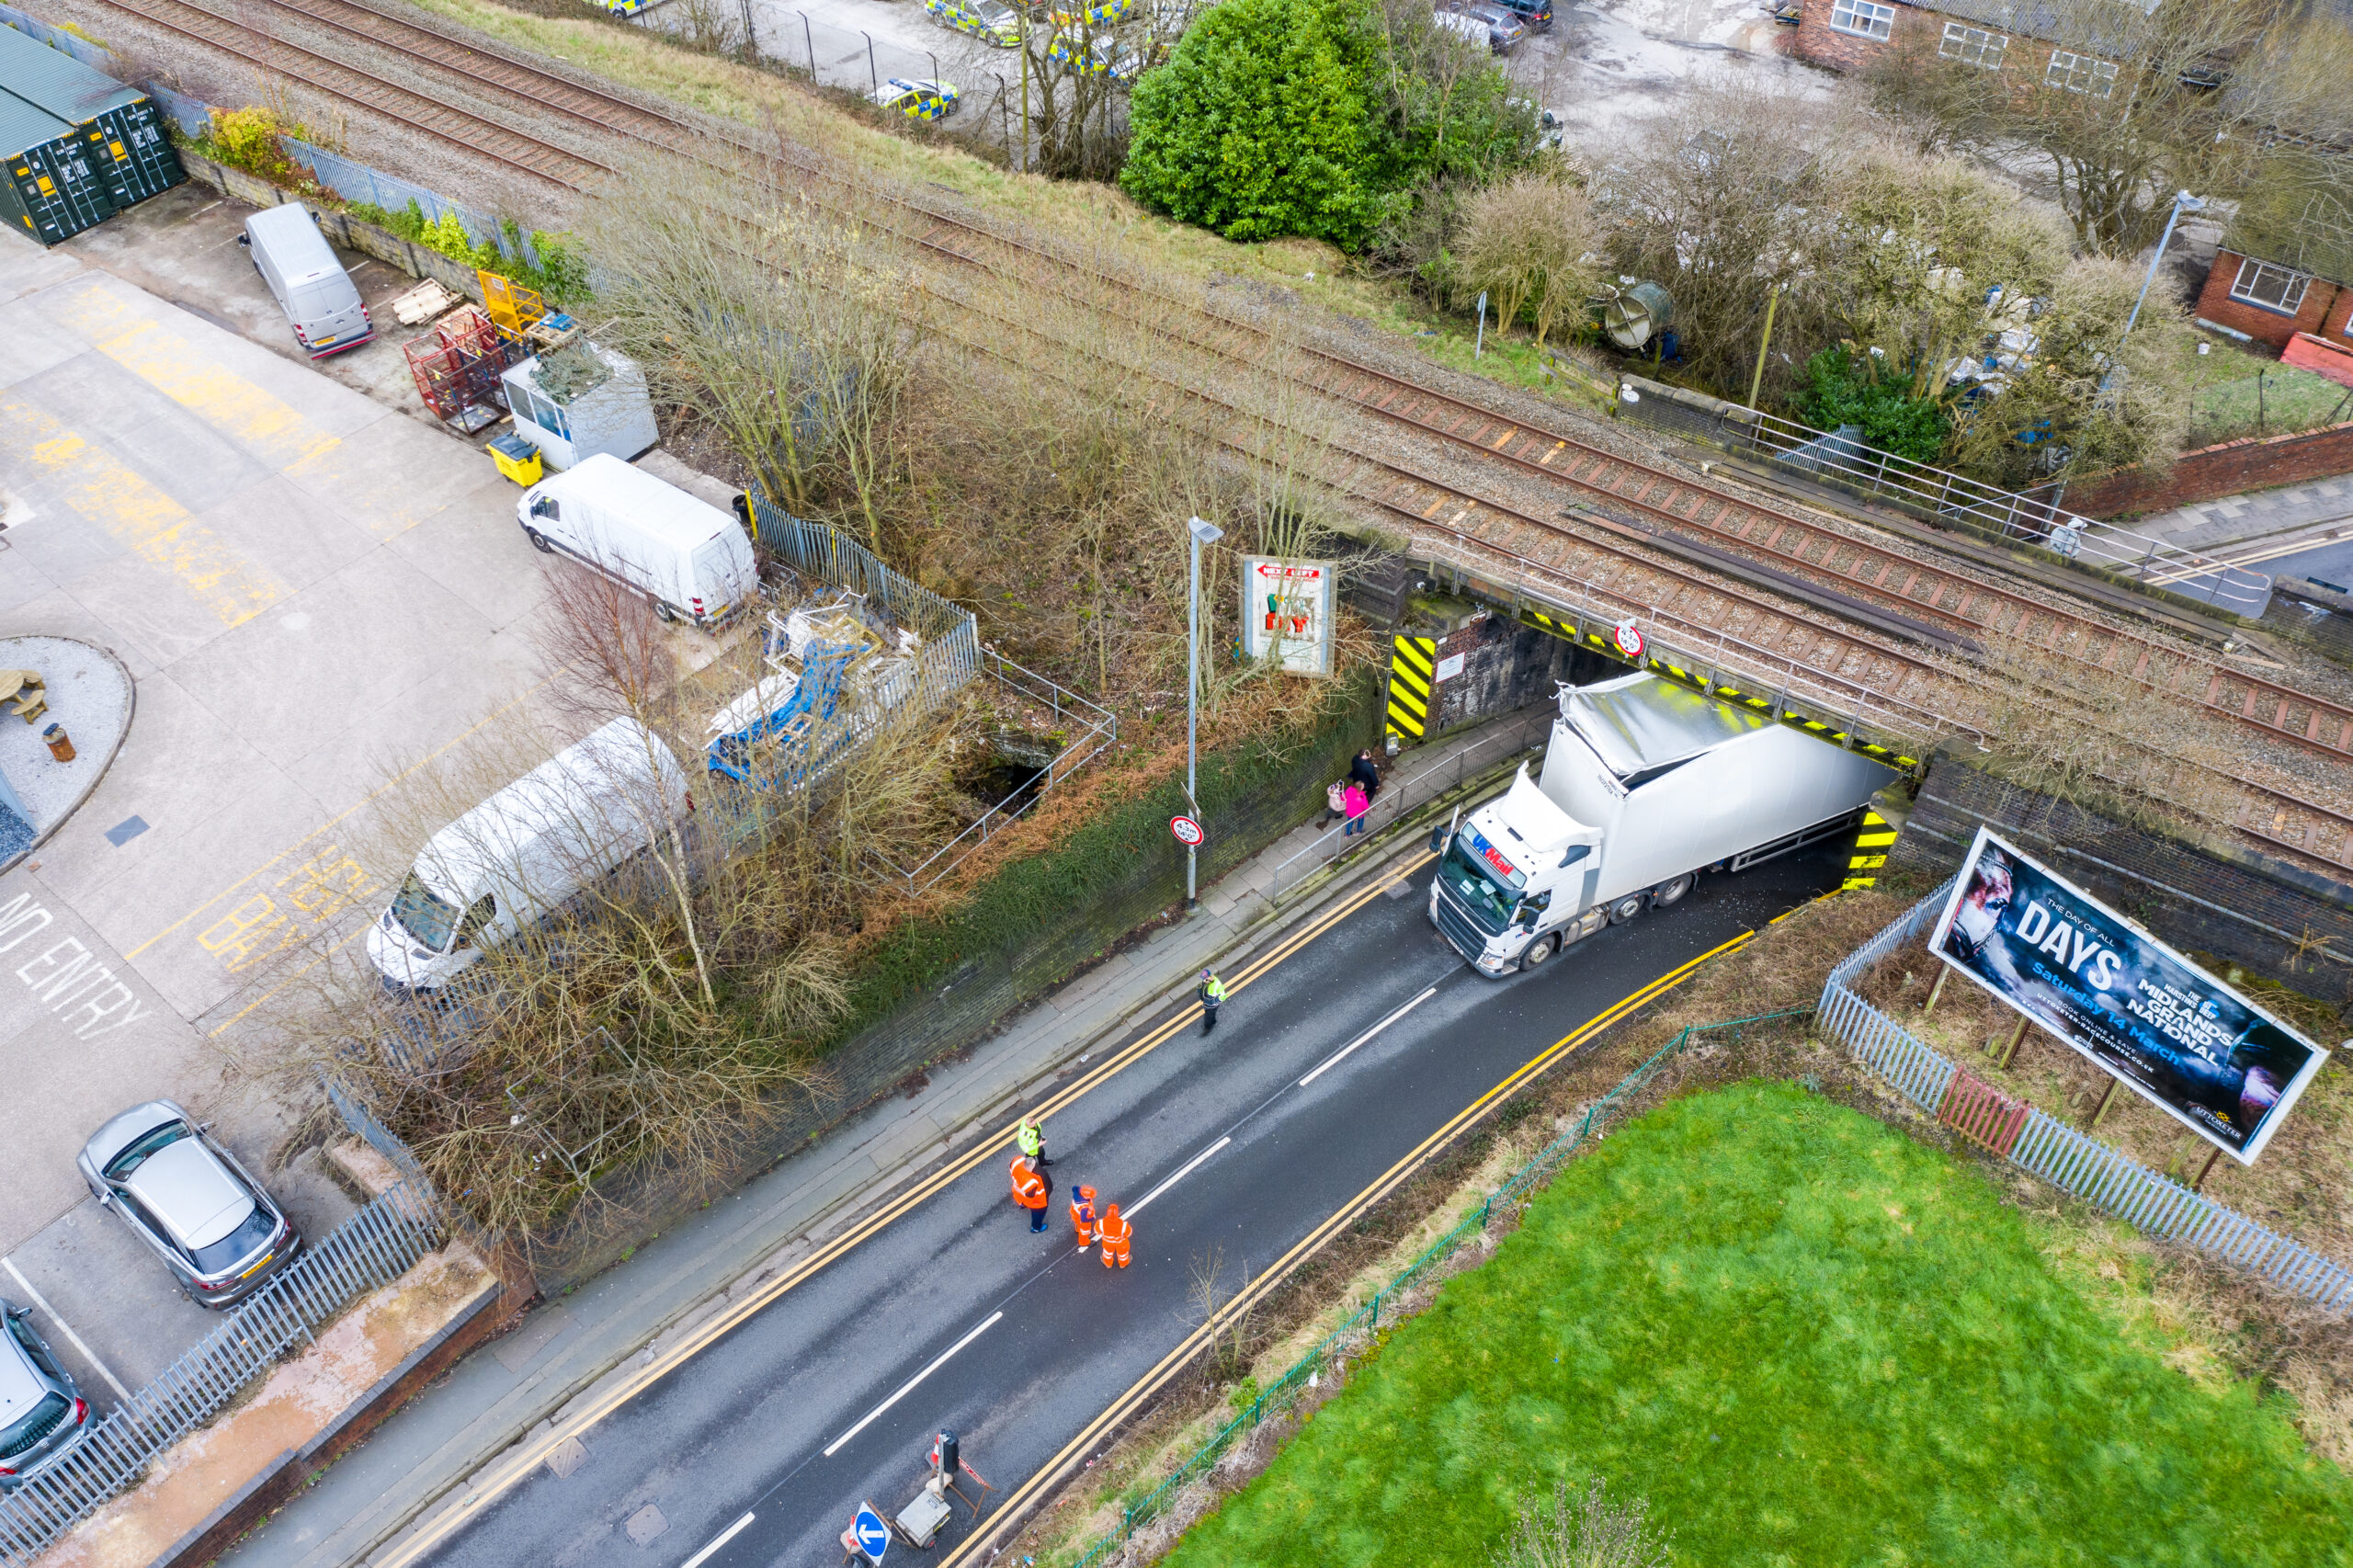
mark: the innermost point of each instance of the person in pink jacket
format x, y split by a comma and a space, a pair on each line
1356, 807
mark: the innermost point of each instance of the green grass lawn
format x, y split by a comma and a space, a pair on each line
2226, 403
1808, 1340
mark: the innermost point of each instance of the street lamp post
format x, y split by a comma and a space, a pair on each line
2182, 202
1203, 532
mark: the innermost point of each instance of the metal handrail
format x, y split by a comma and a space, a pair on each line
2005, 512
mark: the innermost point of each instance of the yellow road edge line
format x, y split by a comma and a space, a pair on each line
1056, 1469
507, 1473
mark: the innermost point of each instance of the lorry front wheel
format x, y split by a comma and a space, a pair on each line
1626, 908
1671, 893
1538, 950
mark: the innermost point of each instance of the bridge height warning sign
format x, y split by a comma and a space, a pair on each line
1287, 612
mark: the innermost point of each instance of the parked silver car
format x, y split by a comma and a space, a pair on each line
188, 1199
42, 1413
1505, 28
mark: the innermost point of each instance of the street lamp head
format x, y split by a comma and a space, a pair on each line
1205, 531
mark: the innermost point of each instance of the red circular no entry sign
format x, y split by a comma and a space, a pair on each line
1189, 832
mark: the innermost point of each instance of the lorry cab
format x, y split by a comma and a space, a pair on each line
1645, 785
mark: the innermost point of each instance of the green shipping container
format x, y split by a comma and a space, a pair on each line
52, 190
122, 132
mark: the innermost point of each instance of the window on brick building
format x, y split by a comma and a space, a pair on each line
1973, 45
2274, 287
1863, 17
2080, 73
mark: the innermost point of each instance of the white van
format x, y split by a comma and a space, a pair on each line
691, 559
308, 282
523, 851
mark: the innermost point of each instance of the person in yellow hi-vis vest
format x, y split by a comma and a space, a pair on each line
1212, 992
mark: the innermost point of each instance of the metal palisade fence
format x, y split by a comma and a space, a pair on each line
2060, 1154
1278, 1397
371, 1250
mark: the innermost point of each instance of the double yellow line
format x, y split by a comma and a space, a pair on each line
513, 1468
1063, 1464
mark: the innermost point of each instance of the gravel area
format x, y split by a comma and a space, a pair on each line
89, 700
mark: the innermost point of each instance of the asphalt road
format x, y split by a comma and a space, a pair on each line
955, 1315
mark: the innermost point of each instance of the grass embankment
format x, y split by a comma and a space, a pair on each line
1091, 213
2234, 395
1808, 1340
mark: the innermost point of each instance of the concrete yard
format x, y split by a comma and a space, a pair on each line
310, 588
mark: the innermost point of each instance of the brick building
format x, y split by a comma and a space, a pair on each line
2285, 262
1999, 34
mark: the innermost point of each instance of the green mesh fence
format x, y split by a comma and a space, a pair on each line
1279, 1396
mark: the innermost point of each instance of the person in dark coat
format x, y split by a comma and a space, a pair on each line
1365, 773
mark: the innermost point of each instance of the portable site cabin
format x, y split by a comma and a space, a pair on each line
120, 128
579, 401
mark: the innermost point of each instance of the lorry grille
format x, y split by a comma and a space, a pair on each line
1460, 935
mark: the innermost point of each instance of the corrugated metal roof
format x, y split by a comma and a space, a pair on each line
23, 126
53, 80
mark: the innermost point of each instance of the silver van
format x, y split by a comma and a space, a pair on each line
308, 282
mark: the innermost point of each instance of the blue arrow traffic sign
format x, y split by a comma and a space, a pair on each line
873, 1535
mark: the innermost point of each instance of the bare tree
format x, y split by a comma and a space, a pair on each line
790, 333
1531, 242
1590, 1529
2121, 109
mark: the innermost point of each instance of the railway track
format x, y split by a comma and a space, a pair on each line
1670, 591
408, 106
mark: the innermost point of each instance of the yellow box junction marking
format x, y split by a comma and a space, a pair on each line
152, 525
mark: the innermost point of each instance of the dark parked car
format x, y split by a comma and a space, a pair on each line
191, 1202
42, 1413
1537, 13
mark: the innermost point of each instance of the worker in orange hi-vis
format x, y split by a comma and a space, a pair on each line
1115, 1234
1031, 1190
1082, 1216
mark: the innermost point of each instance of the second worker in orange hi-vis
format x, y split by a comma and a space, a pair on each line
1082, 1216
1115, 1234
1030, 1190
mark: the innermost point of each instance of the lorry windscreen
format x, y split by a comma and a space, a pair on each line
1477, 888
423, 914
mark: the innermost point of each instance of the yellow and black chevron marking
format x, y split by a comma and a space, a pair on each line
1792, 717
1871, 845
1410, 667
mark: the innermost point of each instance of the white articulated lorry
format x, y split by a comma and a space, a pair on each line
1647, 784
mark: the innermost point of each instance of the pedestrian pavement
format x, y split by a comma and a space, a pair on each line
569, 1350
2211, 526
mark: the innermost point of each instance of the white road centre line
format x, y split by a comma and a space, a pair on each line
909, 1386
699, 1558
1342, 1054
87, 1354
1132, 1210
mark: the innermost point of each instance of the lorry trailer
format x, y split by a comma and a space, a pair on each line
1647, 784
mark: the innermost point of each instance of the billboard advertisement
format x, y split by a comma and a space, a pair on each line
2164, 1027
1286, 611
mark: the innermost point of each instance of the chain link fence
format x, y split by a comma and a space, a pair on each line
2049, 1148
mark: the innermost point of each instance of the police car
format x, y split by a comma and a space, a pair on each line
921, 99
991, 22
1102, 56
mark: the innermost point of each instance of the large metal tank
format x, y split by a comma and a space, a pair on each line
1635, 314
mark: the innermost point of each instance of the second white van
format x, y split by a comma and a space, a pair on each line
685, 555
522, 853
